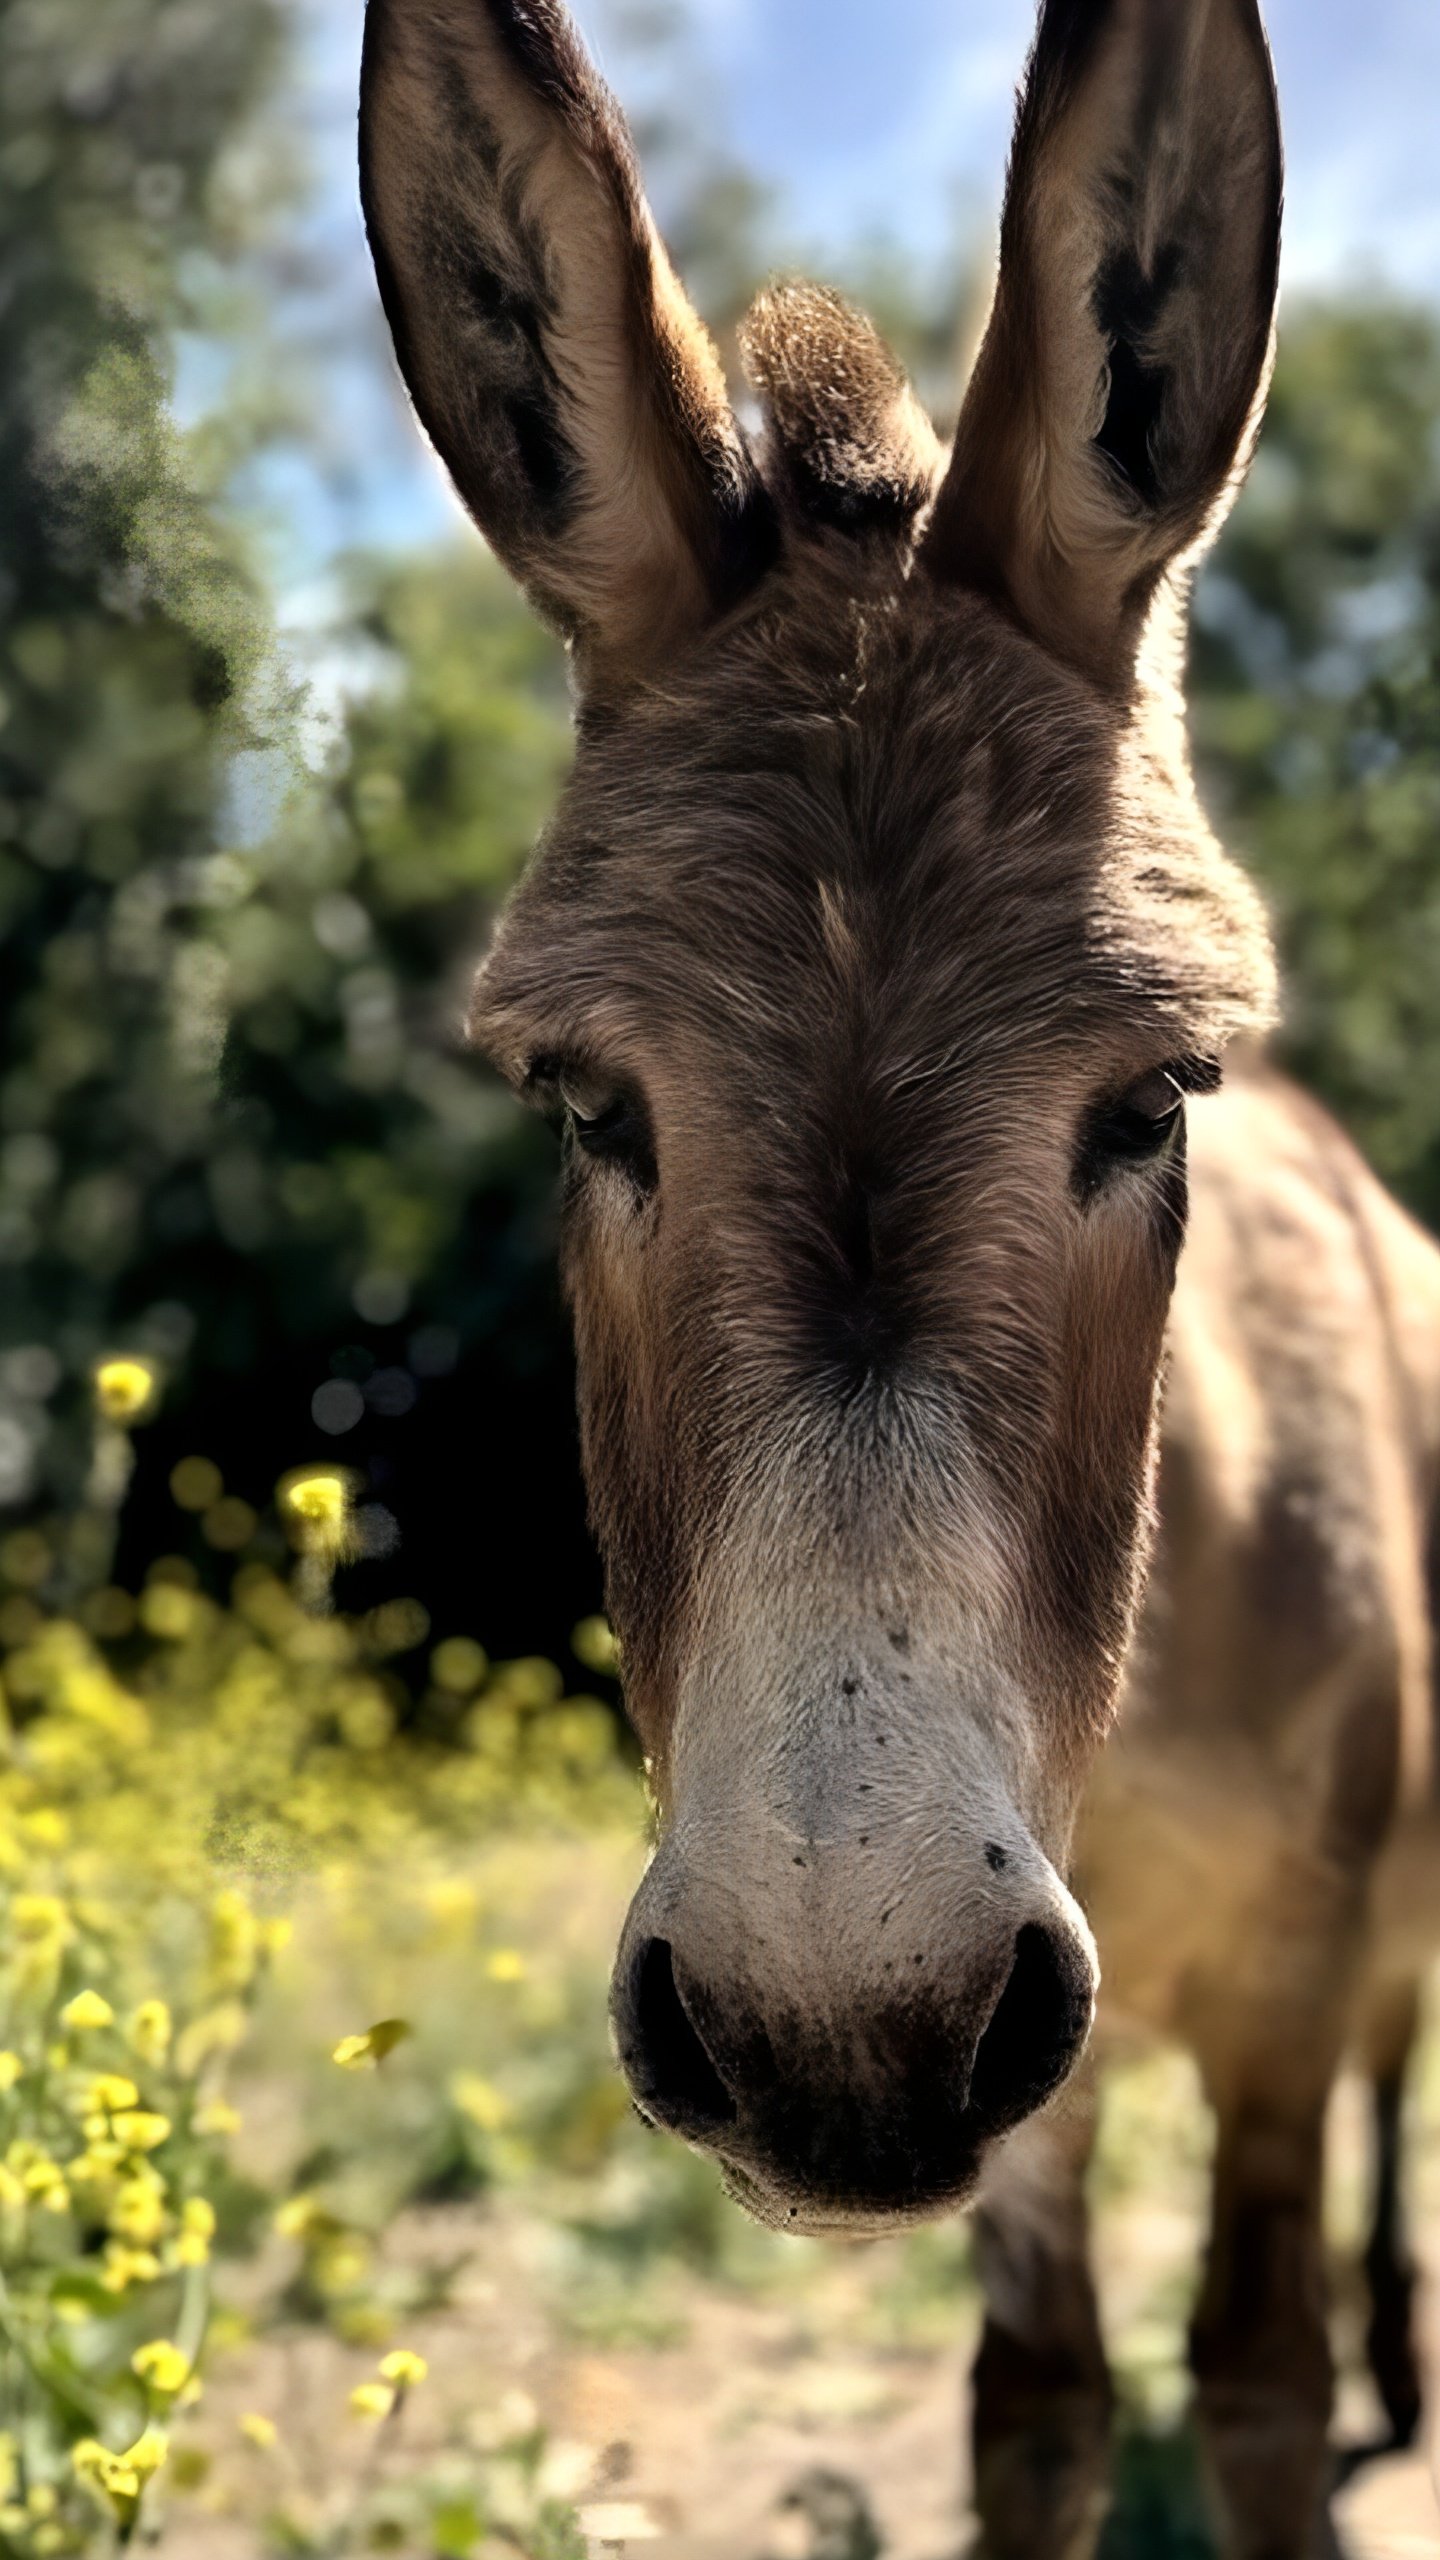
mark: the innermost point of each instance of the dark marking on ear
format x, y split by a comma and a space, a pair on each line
1128, 306
996, 1858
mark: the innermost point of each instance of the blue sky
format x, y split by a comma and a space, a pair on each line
864, 119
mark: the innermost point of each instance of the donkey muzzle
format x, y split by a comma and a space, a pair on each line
848, 2076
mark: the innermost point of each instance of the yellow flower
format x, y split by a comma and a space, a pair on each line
593, 1643
358, 2053
123, 1389
217, 2117
125, 2266
296, 2216
506, 1964
45, 2181
403, 2367
373, 2400
149, 2029
319, 1509
197, 2214
108, 2093
140, 2129
138, 2212
121, 2476
87, 2010
162, 2365
166, 1610
477, 2099
260, 2431
11, 2067
38, 1917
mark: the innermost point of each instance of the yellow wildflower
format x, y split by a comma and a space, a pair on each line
296, 2216
11, 2067
88, 2009
11, 2191
38, 1917
147, 2454
125, 2266
197, 2214
141, 2129
195, 1483
217, 2117
373, 2400
478, 2099
45, 1827
108, 2093
41, 2500
166, 1610
149, 2029
260, 2431
164, 2367
403, 2368
506, 1964
358, 2053
138, 2212
45, 2181
123, 1389
593, 1642
319, 1509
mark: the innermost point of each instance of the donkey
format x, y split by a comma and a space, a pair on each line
875, 964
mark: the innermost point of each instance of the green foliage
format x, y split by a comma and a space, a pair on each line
1316, 693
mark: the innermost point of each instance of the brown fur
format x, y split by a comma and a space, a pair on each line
877, 902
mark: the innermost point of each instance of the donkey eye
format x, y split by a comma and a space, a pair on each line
609, 1123
1135, 1127
589, 1102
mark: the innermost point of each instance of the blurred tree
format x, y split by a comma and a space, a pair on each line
238, 1140
132, 663
1315, 688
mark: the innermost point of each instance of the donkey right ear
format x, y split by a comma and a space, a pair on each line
572, 394
1117, 391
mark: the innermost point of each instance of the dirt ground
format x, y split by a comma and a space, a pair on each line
713, 2444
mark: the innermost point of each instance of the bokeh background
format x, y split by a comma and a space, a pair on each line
274, 737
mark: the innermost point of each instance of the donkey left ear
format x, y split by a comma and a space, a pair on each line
1118, 390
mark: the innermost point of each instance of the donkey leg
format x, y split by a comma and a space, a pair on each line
1041, 2391
1391, 2024
1258, 2345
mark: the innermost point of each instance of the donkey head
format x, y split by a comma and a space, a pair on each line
868, 964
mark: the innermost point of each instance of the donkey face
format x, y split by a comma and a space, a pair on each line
869, 961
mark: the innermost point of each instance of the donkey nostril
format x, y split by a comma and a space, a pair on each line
673, 2073
1036, 2029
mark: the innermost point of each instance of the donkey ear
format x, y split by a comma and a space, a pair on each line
1118, 389
572, 394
